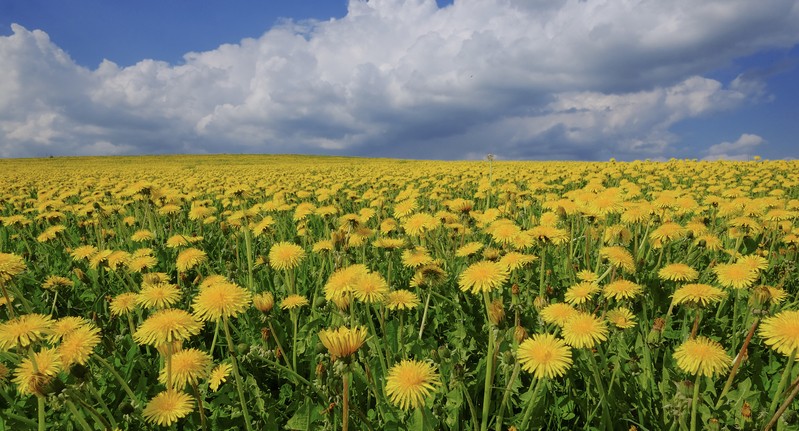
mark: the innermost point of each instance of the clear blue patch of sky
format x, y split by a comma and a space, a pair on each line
776, 119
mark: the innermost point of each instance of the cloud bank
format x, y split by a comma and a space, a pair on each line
520, 79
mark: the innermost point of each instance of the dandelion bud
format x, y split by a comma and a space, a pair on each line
656, 334
81, 276
539, 303
443, 352
514, 290
265, 334
320, 370
685, 388
496, 312
746, 411
264, 302
713, 424
508, 358
519, 333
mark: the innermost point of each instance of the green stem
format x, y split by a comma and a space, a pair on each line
294, 319
103, 404
512, 379
118, 378
695, 402
200, 407
42, 422
345, 405
237, 375
601, 387
472, 410
535, 387
784, 406
281, 350
424, 314
78, 416
737, 362
786, 374
542, 274
489, 367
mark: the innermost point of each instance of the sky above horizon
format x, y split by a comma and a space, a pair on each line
521, 79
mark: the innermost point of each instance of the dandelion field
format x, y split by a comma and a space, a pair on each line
326, 293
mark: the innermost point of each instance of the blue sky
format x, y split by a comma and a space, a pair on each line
560, 79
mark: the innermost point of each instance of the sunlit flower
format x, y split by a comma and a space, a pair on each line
188, 366
410, 382
703, 356
342, 342
558, 313
700, 294
54, 282
123, 303
220, 300
77, 346
482, 276
293, 301
167, 407
469, 249
370, 287
263, 302
11, 265
190, 258
545, 356
734, 275
621, 317
30, 378
24, 330
781, 332
285, 255
621, 289
619, 257
584, 330
167, 326
678, 272
580, 293
402, 299
160, 295
218, 376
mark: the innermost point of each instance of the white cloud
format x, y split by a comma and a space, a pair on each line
566, 79
741, 149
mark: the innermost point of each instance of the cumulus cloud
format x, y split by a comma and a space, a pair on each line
520, 79
741, 149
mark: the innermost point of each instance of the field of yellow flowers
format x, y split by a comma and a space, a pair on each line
326, 293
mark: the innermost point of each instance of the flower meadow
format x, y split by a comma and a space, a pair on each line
326, 293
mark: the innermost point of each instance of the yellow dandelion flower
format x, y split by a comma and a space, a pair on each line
11, 265
545, 356
753, 262
702, 355
515, 260
734, 275
167, 407
549, 234
584, 330
781, 332
402, 299
558, 313
50, 233
699, 294
77, 346
218, 376
678, 272
24, 330
370, 288
342, 282
416, 257
54, 282
30, 378
166, 326
142, 235
618, 257
285, 255
621, 318
621, 290
587, 275
190, 258
160, 295
410, 382
188, 366
293, 301
483, 276
65, 325
469, 249
123, 303
83, 252
389, 243
418, 224
342, 342
580, 293
220, 300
